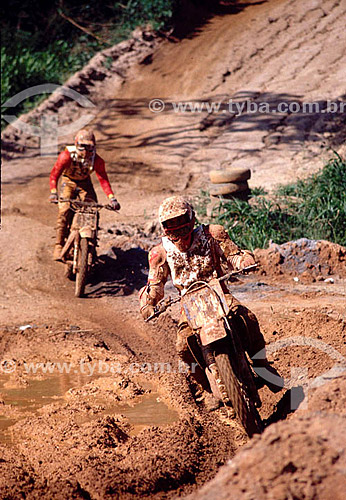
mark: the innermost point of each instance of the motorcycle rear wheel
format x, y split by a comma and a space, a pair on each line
82, 271
242, 404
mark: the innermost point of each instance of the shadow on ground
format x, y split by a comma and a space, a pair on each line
118, 272
191, 17
285, 118
288, 404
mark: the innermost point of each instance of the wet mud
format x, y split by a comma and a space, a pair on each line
126, 421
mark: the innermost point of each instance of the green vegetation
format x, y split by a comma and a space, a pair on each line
314, 208
46, 42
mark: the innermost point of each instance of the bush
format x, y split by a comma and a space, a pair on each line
155, 12
23, 66
39, 45
313, 208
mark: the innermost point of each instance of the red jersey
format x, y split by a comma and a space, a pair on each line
67, 164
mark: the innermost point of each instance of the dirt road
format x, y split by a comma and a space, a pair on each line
141, 430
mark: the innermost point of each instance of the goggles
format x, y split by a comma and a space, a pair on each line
178, 231
86, 147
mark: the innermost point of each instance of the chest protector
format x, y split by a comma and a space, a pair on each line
80, 168
195, 264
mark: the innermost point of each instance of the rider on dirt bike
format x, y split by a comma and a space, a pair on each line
76, 164
188, 255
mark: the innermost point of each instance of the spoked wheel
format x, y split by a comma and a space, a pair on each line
237, 394
82, 271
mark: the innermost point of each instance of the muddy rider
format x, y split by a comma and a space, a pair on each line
189, 254
76, 164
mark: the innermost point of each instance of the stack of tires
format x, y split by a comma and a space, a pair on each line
230, 183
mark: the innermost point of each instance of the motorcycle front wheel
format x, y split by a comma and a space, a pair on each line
242, 404
82, 268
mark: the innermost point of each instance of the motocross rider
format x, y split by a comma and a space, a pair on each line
75, 164
188, 255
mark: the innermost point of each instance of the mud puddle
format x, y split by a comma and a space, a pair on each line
25, 401
150, 410
145, 410
38, 392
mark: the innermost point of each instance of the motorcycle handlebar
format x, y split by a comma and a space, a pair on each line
165, 303
83, 203
233, 273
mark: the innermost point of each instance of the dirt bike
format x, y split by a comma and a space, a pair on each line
79, 252
216, 347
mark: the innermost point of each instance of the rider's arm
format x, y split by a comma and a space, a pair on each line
63, 161
236, 258
153, 292
100, 171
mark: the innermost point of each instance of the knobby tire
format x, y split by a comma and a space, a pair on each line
242, 404
82, 271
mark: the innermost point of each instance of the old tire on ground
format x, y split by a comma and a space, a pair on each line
230, 188
243, 406
223, 176
82, 271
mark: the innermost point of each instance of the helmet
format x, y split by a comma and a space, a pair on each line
173, 207
177, 219
85, 141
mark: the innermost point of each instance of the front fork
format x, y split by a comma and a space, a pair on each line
75, 253
212, 372
76, 250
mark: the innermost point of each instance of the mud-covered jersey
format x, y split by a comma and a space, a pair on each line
211, 254
77, 169
195, 264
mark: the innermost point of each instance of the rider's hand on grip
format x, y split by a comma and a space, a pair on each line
147, 311
53, 197
247, 261
114, 204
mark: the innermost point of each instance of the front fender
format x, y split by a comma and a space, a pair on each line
212, 331
86, 232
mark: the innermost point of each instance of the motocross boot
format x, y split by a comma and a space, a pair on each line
57, 252
60, 240
216, 383
210, 402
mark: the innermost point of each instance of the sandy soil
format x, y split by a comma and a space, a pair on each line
136, 431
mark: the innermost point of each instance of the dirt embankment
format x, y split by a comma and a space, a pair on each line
80, 92
74, 435
306, 260
302, 458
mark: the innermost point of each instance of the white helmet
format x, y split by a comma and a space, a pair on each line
175, 206
85, 142
177, 218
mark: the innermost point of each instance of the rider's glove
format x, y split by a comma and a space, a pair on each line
53, 197
114, 204
147, 311
247, 260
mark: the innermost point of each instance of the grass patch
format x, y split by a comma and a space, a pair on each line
313, 208
41, 43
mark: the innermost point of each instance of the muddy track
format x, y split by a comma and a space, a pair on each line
146, 432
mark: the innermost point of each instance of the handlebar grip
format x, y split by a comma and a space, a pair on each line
234, 273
